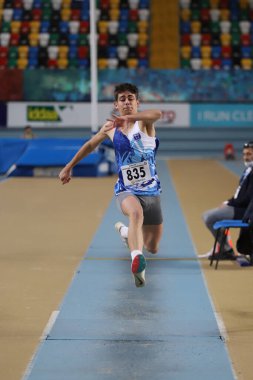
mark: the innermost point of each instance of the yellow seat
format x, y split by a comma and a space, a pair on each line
185, 14
142, 26
206, 51
66, 4
63, 51
102, 27
15, 26
143, 39
23, 51
206, 63
102, 63
225, 39
195, 26
246, 63
114, 4
186, 51
214, 3
22, 63
34, 26
243, 4
65, 14
33, 39
114, 14
225, 14
132, 63
62, 63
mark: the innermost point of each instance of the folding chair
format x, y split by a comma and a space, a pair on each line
222, 227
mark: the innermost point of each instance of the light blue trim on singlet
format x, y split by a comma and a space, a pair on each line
134, 148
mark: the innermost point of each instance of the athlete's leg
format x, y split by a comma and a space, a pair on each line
152, 235
131, 207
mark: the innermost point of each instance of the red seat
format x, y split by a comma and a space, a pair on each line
3, 62
245, 39
103, 39
142, 51
75, 14
206, 39
3, 51
52, 63
226, 51
216, 63
25, 27
204, 14
186, 39
36, 14
83, 52
14, 40
104, 4
133, 15
84, 27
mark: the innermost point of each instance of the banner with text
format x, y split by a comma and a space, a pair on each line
221, 115
79, 114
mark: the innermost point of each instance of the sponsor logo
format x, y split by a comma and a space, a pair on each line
137, 136
42, 113
169, 116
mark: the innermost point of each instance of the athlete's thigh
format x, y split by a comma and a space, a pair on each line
131, 204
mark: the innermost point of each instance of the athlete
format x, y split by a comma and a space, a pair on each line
137, 189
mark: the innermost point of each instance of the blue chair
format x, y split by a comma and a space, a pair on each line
17, 14
222, 227
33, 52
196, 52
44, 26
64, 26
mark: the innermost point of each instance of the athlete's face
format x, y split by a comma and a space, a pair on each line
126, 103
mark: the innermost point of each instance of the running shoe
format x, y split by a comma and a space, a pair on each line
118, 227
138, 270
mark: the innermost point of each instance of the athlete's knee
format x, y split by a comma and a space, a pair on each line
136, 216
152, 247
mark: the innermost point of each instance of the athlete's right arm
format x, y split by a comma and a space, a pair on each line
87, 148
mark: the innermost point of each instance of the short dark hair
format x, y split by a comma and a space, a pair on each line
126, 87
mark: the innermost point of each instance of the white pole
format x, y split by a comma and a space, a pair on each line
93, 67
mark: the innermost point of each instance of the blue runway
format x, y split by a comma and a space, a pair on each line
109, 329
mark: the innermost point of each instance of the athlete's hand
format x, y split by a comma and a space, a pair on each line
65, 175
120, 122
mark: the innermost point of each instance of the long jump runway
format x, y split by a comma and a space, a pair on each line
107, 328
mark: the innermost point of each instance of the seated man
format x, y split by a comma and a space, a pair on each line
240, 206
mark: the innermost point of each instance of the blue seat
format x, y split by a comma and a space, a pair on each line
33, 62
246, 51
44, 26
226, 63
17, 14
123, 26
185, 27
83, 63
143, 63
33, 52
216, 51
72, 52
196, 52
73, 39
112, 52
124, 14
143, 4
222, 227
64, 26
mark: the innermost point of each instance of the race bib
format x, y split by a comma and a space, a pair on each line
135, 173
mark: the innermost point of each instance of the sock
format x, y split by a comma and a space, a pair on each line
135, 253
124, 232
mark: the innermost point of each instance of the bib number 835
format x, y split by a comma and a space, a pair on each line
135, 173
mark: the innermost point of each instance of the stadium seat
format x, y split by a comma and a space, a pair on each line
53, 52
23, 51
206, 51
122, 52
22, 63
196, 63
195, 52
62, 63
132, 39
195, 27
195, 39
186, 51
246, 63
132, 63
206, 63
112, 63
102, 63
44, 39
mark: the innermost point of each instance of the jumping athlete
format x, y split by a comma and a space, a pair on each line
137, 189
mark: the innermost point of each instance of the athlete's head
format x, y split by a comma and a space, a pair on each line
126, 98
126, 87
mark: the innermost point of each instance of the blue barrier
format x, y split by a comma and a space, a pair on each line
29, 155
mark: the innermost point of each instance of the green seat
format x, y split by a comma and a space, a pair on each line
6, 26
12, 63
235, 27
132, 27
185, 63
244, 15
83, 40
205, 4
215, 27
195, 15
122, 39
54, 39
235, 39
46, 4
73, 63
46, 14
13, 52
